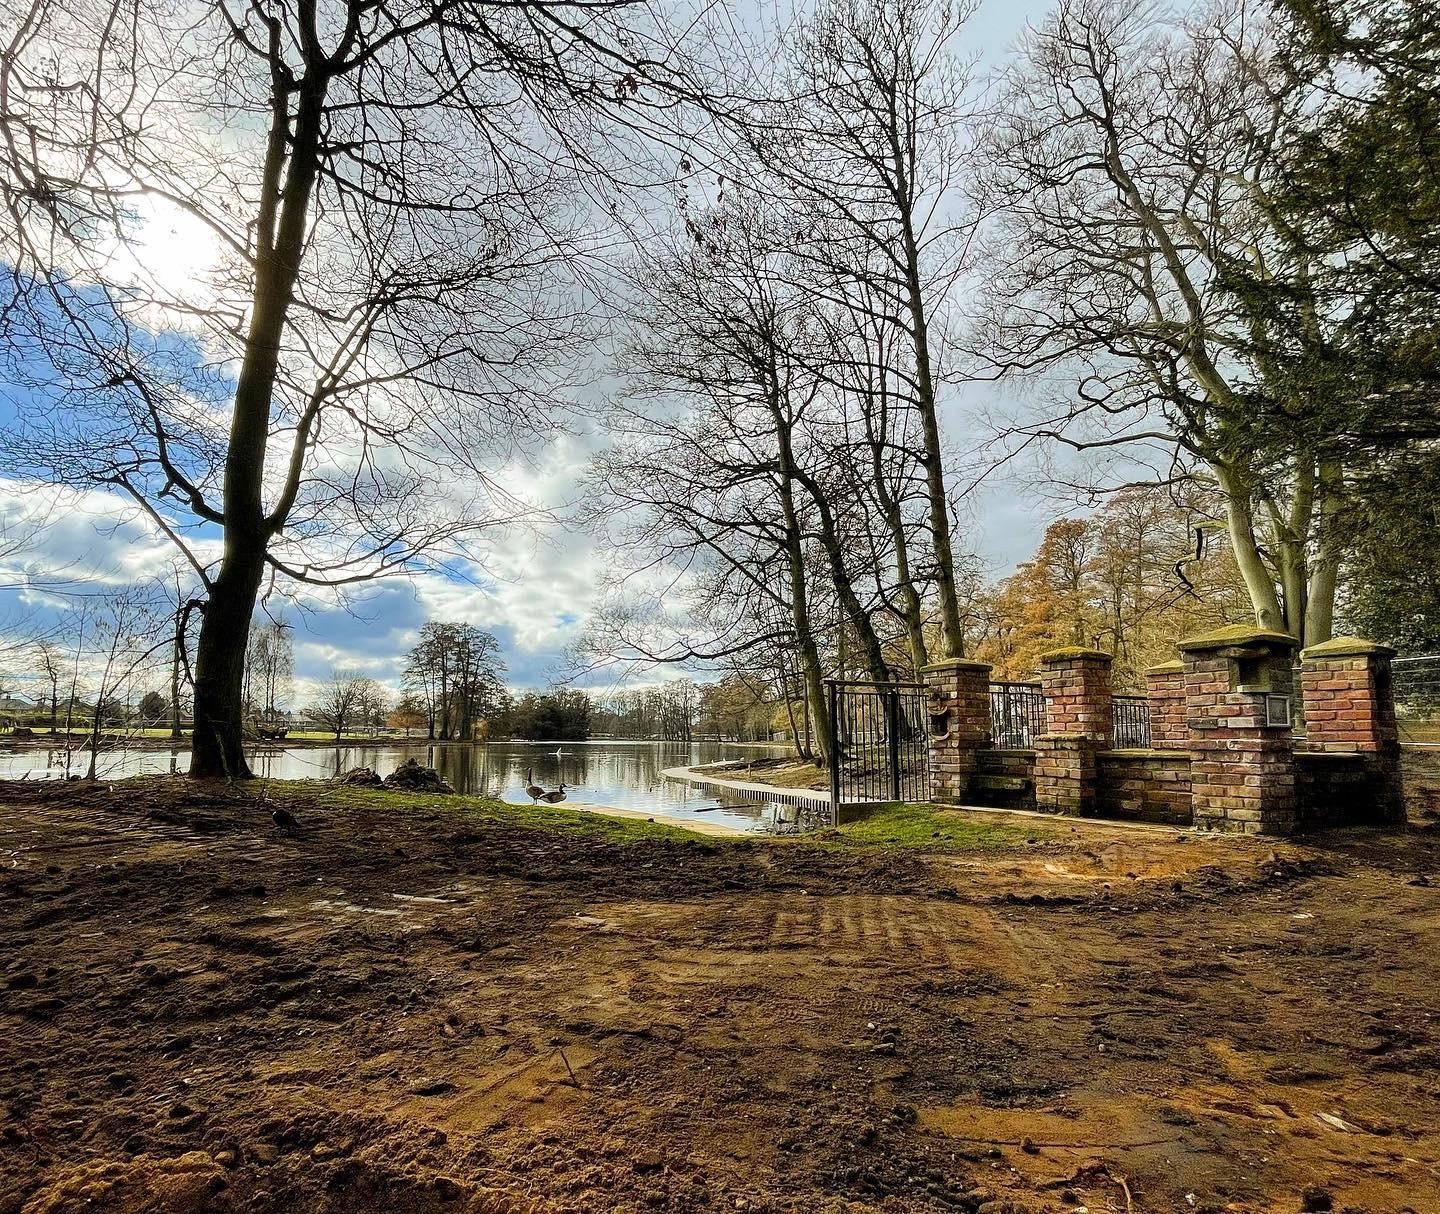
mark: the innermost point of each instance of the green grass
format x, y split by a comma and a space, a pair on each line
887, 827
932, 828
894, 826
480, 811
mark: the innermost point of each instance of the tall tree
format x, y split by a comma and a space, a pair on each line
384, 200
1134, 159
867, 148
269, 668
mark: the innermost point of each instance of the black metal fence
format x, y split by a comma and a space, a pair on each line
1131, 719
879, 744
1017, 714
1416, 683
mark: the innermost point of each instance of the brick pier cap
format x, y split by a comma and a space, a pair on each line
1236, 634
1347, 647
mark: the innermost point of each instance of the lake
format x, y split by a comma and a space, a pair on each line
625, 775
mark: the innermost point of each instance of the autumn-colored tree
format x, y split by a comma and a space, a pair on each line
1131, 579
1045, 604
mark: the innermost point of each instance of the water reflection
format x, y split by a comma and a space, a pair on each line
620, 774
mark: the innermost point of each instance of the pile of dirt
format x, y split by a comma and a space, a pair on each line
413, 776
364, 777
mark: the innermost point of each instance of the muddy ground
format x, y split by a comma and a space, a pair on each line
395, 1010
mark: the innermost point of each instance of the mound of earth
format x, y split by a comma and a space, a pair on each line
414, 776
362, 776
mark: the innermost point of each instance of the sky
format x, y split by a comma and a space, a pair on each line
536, 587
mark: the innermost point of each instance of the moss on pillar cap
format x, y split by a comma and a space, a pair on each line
1347, 647
1175, 667
1071, 652
1237, 634
955, 664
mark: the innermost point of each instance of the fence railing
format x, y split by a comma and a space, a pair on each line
879, 742
1131, 721
1416, 683
1017, 714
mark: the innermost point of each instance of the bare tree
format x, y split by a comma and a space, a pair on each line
867, 150
347, 699
390, 199
50, 665
1132, 160
269, 668
720, 490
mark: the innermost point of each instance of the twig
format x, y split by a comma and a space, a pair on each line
569, 1068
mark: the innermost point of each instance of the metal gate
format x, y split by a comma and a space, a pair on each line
879, 743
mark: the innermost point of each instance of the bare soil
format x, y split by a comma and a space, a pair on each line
406, 1011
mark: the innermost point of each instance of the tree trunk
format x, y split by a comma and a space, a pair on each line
895, 524
175, 674
1240, 523
952, 634
93, 769
217, 749
1325, 569
217, 740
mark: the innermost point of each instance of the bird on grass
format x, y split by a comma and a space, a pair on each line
533, 790
557, 795
284, 820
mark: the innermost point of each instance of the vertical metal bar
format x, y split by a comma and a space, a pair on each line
892, 740
832, 692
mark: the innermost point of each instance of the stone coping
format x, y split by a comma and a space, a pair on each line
1236, 634
1072, 652
1143, 752
955, 664
1346, 647
1175, 667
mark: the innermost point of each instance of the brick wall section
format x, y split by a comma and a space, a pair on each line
959, 707
1004, 779
1148, 785
1065, 773
1076, 686
1242, 771
1350, 709
1079, 722
1165, 690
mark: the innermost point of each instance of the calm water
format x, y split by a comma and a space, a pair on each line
621, 774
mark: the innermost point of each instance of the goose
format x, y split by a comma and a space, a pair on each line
557, 795
533, 790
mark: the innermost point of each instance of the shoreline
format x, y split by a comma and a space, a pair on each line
79, 743
699, 826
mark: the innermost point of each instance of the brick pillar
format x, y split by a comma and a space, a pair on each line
959, 707
1079, 722
1242, 771
1165, 691
1350, 708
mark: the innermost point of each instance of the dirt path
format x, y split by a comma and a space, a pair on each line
401, 1012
